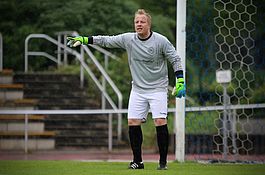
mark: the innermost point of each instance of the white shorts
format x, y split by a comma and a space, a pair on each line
140, 103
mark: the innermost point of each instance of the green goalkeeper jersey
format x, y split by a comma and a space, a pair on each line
147, 58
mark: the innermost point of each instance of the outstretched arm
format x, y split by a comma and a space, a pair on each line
117, 41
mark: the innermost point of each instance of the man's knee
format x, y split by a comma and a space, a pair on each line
160, 121
134, 122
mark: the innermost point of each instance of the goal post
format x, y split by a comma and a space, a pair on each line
180, 103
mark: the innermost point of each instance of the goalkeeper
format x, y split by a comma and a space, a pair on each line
148, 53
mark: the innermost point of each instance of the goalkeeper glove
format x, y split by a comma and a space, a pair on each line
76, 41
180, 88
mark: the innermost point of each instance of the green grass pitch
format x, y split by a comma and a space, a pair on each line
42, 167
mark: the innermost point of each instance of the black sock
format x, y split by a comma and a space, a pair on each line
162, 142
136, 140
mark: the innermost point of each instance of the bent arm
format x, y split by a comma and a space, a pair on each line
172, 56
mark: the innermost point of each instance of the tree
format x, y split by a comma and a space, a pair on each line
21, 18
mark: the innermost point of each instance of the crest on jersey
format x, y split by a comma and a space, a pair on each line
151, 50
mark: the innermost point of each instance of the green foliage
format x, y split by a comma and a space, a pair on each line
165, 26
88, 17
47, 16
96, 17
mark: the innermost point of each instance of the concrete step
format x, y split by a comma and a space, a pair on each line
7, 72
34, 144
15, 117
75, 117
20, 134
19, 126
17, 123
46, 77
95, 126
82, 134
51, 85
17, 108
6, 76
12, 128
71, 102
11, 91
18, 104
65, 106
54, 93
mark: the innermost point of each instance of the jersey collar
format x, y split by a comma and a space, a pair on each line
147, 37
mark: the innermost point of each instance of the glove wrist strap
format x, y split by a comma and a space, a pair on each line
179, 74
90, 40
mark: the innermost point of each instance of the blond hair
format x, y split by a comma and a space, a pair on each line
143, 12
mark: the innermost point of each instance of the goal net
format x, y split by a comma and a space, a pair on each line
225, 120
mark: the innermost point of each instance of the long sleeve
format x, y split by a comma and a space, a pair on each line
171, 54
117, 41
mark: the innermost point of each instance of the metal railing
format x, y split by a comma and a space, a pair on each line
106, 78
80, 57
117, 111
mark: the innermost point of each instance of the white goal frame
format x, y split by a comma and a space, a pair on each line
179, 125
